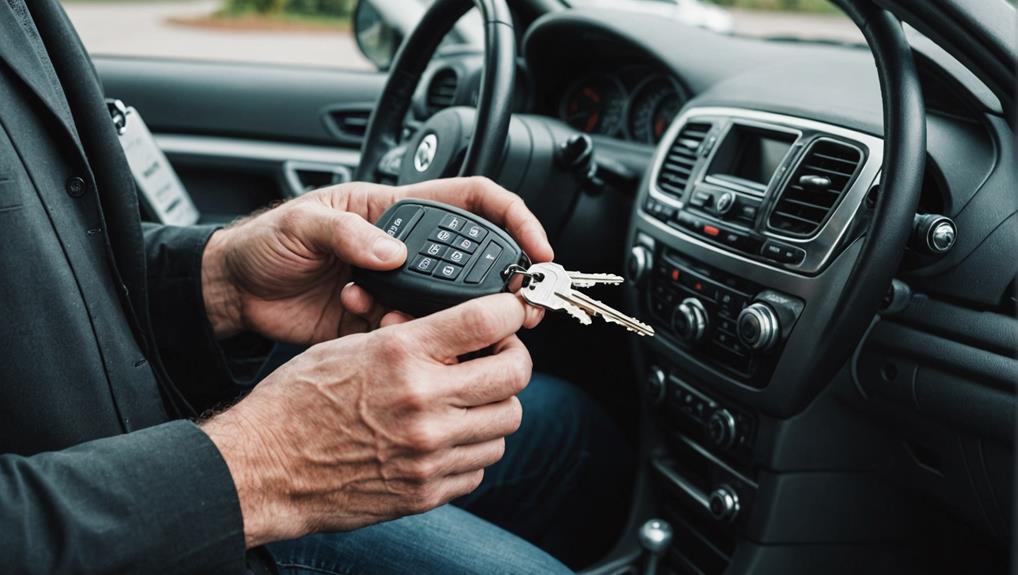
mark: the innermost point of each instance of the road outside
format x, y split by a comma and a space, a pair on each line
144, 29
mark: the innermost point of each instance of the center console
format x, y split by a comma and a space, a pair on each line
739, 240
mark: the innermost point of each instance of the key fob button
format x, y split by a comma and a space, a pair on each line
434, 250
403, 221
452, 222
475, 232
424, 264
448, 271
464, 244
456, 256
487, 259
442, 236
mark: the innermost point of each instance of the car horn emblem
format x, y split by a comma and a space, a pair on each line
425, 153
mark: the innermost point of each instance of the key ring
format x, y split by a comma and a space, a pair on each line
516, 269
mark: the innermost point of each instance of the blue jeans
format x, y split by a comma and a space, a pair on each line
565, 472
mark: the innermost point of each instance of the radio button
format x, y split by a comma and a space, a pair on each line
748, 212
725, 203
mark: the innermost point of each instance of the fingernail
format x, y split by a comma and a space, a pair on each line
386, 248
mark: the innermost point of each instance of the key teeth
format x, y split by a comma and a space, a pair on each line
580, 315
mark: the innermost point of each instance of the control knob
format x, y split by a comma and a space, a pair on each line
758, 327
933, 234
723, 503
690, 320
656, 384
639, 263
721, 428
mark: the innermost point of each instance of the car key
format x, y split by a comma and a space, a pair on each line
550, 286
452, 256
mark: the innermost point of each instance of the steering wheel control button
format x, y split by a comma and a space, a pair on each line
474, 232
465, 244
75, 186
690, 320
447, 271
402, 221
758, 326
442, 236
725, 203
488, 258
721, 428
452, 222
424, 264
723, 503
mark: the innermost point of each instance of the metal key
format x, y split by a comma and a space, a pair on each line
551, 287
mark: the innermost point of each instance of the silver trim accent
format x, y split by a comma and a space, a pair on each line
729, 503
696, 315
770, 327
942, 236
640, 257
728, 428
240, 149
820, 247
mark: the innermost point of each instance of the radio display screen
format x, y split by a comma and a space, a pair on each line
750, 156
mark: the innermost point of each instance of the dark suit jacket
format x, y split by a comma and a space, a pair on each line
100, 316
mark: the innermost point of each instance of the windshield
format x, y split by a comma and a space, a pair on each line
809, 20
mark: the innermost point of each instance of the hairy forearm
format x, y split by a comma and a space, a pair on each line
260, 477
222, 301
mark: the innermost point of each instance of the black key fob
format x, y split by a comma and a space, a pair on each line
452, 256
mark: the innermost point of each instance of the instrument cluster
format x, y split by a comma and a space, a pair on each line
635, 103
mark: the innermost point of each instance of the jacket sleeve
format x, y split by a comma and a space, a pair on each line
207, 371
160, 500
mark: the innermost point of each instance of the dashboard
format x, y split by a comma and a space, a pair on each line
758, 167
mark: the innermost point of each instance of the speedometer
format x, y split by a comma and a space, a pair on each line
595, 105
655, 104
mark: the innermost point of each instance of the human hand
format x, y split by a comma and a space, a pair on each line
375, 426
284, 273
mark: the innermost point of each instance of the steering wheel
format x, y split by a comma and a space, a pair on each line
439, 145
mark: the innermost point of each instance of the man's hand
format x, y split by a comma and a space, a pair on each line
284, 273
376, 426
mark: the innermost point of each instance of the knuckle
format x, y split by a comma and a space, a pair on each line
475, 480
415, 397
423, 437
425, 498
422, 470
479, 320
392, 346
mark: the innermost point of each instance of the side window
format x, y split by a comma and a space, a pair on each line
289, 32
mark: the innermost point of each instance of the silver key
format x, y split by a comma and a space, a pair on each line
582, 280
551, 287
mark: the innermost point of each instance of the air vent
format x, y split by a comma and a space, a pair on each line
680, 159
825, 173
442, 90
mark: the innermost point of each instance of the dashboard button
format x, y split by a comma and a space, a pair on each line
725, 203
701, 200
748, 212
783, 253
711, 231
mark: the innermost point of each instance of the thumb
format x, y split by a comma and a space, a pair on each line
356, 241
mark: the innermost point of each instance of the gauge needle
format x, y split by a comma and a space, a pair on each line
592, 122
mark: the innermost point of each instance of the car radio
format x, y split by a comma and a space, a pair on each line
772, 192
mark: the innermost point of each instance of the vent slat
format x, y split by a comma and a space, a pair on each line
442, 90
800, 211
681, 158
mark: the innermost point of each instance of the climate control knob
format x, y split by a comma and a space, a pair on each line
723, 503
758, 327
657, 384
690, 320
639, 263
721, 428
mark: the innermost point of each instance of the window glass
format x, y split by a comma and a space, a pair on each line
303, 32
